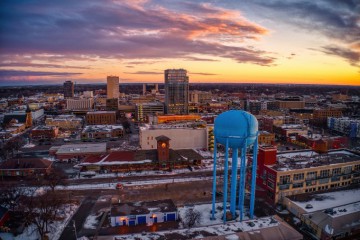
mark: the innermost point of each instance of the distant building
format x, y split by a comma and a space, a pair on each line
349, 127
200, 97
143, 213
80, 104
68, 89
64, 121
112, 87
286, 131
182, 137
112, 104
142, 110
266, 138
77, 151
320, 115
102, 132
176, 91
44, 132
88, 94
289, 102
152, 88
101, 118
24, 167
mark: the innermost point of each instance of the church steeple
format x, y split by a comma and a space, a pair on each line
28, 122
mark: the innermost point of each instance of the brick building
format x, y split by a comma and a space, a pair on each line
44, 132
101, 118
297, 172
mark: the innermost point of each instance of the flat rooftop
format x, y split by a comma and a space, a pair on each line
338, 200
101, 128
82, 148
309, 159
136, 208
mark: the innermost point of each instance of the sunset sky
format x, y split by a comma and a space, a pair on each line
242, 41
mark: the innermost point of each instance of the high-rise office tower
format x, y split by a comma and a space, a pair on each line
68, 89
112, 87
176, 91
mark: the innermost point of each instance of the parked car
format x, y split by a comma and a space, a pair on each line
119, 186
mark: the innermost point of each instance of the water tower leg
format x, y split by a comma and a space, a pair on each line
233, 181
214, 183
242, 181
253, 179
226, 171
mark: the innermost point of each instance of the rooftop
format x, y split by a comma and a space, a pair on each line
25, 163
329, 200
309, 159
136, 208
82, 148
102, 112
102, 128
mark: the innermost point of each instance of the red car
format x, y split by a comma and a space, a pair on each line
119, 186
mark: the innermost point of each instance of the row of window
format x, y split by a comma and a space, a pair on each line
314, 175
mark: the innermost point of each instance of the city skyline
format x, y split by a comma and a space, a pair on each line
298, 42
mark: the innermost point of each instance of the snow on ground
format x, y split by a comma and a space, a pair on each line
215, 227
55, 228
29, 145
92, 221
329, 200
136, 183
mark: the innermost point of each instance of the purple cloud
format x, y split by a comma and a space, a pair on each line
126, 30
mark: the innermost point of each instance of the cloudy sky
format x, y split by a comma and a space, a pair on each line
265, 41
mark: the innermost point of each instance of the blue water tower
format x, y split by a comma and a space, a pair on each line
237, 130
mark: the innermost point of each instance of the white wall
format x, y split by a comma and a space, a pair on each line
181, 138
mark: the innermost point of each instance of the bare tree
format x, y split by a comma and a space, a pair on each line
10, 194
41, 210
192, 217
55, 178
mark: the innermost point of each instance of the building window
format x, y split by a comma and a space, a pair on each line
270, 184
336, 171
347, 169
285, 179
298, 185
324, 173
311, 175
298, 176
271, 176
357, 167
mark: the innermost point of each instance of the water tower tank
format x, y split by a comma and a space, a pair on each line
236, 125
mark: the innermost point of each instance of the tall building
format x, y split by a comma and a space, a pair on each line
112, 87
68, 89
176, 91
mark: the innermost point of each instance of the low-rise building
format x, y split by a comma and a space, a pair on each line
349, 127
182, 136
142, 110
320, 115
328, 215
24, 167
102, 132
80, 104
64, 121
77, 151
266, 138
286, 174
44, 132
101, 118
142, 213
